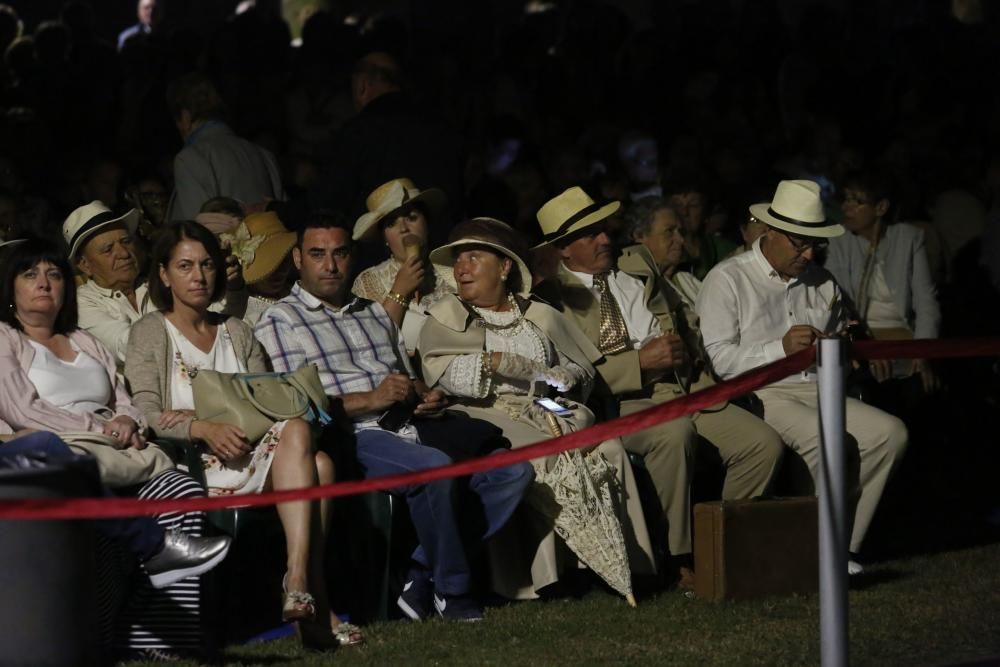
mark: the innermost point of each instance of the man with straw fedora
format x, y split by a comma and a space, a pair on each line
774, 300
652, 354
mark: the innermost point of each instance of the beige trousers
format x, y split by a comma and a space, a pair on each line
750, 450
875, 439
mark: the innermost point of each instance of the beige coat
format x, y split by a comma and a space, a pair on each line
527, 555
148, 364
621, 371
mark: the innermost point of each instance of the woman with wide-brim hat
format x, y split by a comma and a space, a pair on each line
406, 283
495, 350
263, 245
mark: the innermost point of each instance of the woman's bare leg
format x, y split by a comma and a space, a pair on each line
294, 468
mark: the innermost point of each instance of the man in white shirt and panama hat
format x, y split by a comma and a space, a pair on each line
652, 354
773, 301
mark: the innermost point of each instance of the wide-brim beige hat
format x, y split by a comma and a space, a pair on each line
389, 197
261, 243
90, 219
12, 242
797, 208
570, 212
491, 233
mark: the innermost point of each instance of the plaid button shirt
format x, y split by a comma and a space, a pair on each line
354, 348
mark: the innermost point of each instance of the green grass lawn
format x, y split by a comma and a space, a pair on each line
928, 610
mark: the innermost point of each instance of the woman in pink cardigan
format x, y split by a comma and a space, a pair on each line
55, 377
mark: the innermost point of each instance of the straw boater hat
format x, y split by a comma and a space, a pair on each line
261, 243
389, 197
570, 212
491, 233
797, 209
88, 220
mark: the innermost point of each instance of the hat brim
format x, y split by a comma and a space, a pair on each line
368, 222
445, 256
269, 256
826, 230
605, 211
131, 220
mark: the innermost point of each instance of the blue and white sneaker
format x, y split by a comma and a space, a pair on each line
458, 608
415, 600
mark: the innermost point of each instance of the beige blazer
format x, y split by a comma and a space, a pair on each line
148, 364
453, 329
621, 371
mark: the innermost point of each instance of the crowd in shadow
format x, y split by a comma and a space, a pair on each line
694, 109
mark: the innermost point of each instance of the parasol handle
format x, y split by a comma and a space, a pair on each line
553, 423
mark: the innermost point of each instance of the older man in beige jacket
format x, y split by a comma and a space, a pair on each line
652, 354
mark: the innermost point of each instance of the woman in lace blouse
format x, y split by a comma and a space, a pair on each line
406, 284
495, 351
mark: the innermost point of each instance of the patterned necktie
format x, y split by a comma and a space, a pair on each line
614, 334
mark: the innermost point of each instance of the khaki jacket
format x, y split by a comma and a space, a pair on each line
621, 371
453, 329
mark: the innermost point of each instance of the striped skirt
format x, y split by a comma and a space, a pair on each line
135, 616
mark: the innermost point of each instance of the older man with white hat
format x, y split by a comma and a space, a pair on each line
652, 354
100, 248
773, 301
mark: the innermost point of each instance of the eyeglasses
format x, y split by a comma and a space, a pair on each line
801, 244
853, 200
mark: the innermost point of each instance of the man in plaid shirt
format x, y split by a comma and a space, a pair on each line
364, 368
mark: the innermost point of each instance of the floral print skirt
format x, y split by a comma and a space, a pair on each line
246, 474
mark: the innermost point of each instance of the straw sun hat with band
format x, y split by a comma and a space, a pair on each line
91, 219
493, 234
569, 212
797, 209
388, 198
261, 243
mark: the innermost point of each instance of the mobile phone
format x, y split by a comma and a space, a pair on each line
553, 407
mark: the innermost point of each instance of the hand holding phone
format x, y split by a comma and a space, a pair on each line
553, 407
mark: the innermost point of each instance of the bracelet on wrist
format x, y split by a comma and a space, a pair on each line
398, 298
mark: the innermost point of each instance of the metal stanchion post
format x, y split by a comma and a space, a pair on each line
833, 519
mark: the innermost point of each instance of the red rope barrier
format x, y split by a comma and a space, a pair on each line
92, 508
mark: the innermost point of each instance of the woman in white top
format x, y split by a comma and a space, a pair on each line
56, 377
406, 284
167, 349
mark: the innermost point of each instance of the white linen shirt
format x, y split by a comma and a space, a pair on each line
746, 308
107, 315
630, 294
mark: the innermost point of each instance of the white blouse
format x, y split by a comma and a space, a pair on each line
79, 386
882, 311
188, 360
375, 283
